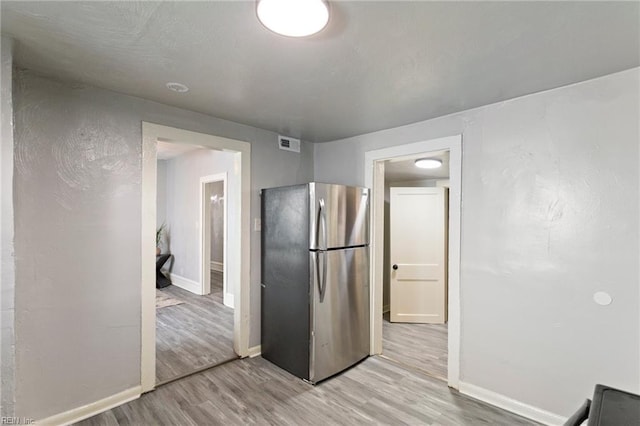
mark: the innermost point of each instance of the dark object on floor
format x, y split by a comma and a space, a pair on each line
610, 407
579, 416
614, 407
161, 279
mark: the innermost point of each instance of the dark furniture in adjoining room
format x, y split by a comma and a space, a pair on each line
162, 280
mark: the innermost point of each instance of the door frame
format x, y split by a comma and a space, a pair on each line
240, 249
205, 237
374, 178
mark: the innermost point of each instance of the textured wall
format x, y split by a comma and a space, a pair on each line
77, 173
77, 209
550, 212
7, 265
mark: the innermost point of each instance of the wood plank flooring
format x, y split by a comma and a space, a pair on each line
419, 346
216, 287
254, 391
193, 334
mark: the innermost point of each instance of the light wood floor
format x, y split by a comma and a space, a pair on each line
419, 346
193, 334
254, 391
376, 391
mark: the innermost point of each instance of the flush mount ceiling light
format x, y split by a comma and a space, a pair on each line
177, 87
428, 163
293, 18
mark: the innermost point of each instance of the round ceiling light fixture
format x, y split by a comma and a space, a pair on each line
293, 18
428, 163
177, 87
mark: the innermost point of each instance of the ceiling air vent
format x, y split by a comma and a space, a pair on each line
288, 144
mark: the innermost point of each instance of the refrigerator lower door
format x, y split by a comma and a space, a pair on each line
340, 310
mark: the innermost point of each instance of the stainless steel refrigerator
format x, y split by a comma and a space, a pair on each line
315, 278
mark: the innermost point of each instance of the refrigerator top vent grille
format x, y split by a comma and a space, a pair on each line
288, 144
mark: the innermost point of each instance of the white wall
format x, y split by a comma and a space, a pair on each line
217, 222
550, 212
161, 201
183, 205
7, 260
77, 235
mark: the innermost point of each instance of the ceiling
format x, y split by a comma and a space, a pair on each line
376, 65
404, 169
169, 150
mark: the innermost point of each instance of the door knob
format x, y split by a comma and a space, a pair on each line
395, 267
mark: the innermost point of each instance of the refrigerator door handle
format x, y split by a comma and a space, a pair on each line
322, 280
323, 248
323, 223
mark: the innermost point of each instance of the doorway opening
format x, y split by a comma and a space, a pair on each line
415, 253
194, 325
195, 190
375, 165
214, 237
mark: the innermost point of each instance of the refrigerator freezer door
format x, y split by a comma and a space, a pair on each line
285, 314
340, 322
339, 216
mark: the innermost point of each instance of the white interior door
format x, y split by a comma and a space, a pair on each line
418, 238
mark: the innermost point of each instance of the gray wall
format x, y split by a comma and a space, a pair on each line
77, 235
550, 212
183, 204
161, 200
217, 221
7, 265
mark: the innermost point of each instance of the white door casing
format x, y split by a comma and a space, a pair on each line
238, 248
418, 254
374, 178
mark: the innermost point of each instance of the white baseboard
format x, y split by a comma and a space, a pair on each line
228, 299
77, 414
186, 284
506, 403
217, 266
255, 351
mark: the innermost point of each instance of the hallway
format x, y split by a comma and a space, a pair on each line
193, 334
419, 346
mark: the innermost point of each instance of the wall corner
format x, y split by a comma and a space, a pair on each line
7, 259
